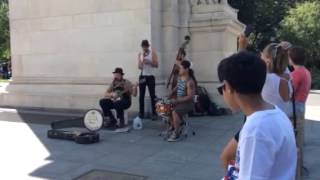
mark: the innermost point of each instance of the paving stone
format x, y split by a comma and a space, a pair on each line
138, 152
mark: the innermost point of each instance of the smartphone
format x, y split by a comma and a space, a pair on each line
248, 30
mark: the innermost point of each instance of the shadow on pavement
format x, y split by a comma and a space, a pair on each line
141, 153
145, 153
312, 149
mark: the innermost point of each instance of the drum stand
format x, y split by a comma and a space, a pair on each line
166, 132
186, 129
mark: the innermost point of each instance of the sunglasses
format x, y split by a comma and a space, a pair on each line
221, 88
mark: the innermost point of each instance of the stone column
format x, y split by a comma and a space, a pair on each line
64, 51
214, 29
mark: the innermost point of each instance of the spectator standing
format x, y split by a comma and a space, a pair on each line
301, 79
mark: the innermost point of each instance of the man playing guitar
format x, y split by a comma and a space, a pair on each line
118, 97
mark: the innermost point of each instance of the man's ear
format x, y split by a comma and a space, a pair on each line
228, 87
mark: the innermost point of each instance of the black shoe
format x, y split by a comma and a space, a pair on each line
154, 117
111, 126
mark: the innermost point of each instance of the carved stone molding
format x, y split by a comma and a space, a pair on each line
206, 2
208, 13
217, 7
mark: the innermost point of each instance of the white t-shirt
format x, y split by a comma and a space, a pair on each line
267, 148
147, 69
270, 93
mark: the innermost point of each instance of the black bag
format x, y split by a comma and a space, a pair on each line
78, 137
215, 110
203, 103
204, 106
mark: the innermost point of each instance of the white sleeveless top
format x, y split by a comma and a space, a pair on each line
147, 69
270, 93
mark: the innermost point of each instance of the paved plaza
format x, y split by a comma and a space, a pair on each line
26, 152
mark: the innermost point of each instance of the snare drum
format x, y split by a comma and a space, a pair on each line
164, 108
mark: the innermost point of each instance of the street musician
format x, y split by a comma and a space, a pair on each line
118, 97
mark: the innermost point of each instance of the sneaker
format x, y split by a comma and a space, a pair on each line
167, 133
174, 137
123, 129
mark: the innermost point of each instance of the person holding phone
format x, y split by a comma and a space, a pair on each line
147, 63
228, 153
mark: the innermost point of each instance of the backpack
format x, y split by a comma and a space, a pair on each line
204, 106
203, 103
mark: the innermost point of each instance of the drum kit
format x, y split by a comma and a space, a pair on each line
92, 121
164, 108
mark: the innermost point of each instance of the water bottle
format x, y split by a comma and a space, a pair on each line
137, 123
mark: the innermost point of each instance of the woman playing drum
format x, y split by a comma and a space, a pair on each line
182, 98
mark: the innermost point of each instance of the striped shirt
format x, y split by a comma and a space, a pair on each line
181, 88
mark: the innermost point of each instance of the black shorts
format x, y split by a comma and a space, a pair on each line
236, 136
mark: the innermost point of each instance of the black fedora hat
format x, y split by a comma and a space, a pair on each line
118, 71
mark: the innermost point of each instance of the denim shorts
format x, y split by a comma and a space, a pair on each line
300, 109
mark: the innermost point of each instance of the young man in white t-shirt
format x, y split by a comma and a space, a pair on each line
267, 147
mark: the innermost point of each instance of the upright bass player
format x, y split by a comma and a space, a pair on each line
181, 56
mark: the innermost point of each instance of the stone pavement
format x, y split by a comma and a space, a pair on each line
26, 152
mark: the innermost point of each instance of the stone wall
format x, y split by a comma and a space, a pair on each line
63, 51
214, 28
75, 39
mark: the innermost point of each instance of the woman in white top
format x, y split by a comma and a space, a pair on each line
277, 89
147, 63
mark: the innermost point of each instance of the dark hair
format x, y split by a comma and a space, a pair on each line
297, 55
244, 71
186, 65
145, 43
279, 56
182, 51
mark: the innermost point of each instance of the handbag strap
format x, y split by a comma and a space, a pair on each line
294, 113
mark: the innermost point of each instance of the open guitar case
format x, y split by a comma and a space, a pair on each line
91, 122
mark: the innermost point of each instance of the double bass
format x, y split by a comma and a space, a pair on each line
173, 78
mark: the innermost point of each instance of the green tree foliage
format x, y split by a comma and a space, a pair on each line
302, 27
297, 21
264, 15
4, 30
